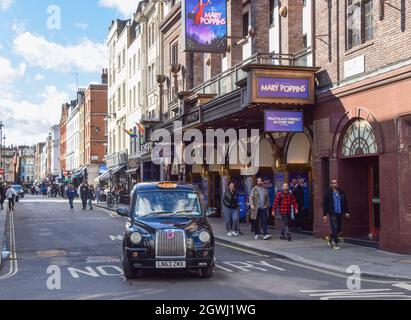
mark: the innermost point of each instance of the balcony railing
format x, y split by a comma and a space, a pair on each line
226, 81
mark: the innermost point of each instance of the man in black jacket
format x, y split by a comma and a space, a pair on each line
84, 195
335, 207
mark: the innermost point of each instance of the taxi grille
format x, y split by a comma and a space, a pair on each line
170, 244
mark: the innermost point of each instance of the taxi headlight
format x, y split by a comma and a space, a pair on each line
204, 236
136, 238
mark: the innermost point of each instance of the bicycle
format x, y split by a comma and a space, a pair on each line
113, 201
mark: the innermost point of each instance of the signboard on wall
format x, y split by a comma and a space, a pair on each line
205, 25
274, 87
284, 121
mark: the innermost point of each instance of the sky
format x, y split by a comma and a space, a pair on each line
45, 46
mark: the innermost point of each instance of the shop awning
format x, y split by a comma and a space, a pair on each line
79, 172
118, 169
132, 171
103, 177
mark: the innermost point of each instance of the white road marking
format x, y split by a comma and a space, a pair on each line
331, 273
117, 238
266, 264
240, 249
14, 267
405, 286
351, 294
243, 266
225, 269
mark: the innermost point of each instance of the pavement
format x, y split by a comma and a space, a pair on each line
314, 252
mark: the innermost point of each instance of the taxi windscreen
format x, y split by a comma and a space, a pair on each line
167, 203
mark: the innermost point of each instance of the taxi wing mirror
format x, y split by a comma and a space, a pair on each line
211, 212
123, 212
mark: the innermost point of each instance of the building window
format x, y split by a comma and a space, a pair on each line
246, 23
138, 59
134, 63
124, 57
124, 94
359, 22
119, 98
273, 4
305, 42
119, 62
359, 140
174, 53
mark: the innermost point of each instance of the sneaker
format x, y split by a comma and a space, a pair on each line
257, 237
336, 247
229, 234
329, 241
289, 239
283, 238
267, 236
235, 234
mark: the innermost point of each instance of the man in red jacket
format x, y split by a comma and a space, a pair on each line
284, 200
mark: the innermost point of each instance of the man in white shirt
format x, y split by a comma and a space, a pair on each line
11, 194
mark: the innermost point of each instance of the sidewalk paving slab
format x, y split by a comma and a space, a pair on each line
314, 252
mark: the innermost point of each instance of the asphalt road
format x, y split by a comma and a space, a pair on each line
62, 254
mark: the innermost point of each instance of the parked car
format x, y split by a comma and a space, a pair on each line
167, 229
19, 190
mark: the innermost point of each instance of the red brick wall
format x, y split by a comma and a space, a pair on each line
387, 46
96, 102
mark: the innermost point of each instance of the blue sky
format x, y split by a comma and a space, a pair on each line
40, 55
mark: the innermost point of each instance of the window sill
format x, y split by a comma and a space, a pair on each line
359, 48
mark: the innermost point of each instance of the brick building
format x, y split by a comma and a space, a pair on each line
95, 138
362, 116
63, 135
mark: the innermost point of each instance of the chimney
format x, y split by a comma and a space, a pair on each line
104, 76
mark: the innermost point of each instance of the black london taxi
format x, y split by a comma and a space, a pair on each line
167, 229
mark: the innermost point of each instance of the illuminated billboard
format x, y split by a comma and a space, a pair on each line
205, 25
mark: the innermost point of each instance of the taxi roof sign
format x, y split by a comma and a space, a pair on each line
167, 185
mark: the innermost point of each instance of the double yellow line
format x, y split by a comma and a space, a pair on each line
14, 267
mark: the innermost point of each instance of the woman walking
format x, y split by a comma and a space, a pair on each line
91, 196
231, 214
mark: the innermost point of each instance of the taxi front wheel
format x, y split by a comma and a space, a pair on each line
129, 271
206, 273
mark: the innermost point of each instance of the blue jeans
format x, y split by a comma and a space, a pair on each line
231, 219
71, 200
262, 216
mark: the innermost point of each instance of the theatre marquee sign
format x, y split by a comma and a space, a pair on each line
281, 85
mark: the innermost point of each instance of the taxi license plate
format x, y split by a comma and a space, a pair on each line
170, 264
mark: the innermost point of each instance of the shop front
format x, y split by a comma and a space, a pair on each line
278, 101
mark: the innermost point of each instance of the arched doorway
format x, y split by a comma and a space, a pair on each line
359, 172
299, 170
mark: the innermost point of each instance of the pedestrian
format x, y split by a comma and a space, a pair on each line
230, 207
91, 196
71, 194
2, 196
335, 207
259, 203
84, 195
284, 200
11, 195
298, 193
98, 193
44, 190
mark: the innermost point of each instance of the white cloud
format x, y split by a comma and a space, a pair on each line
29, 122
86, 56
8, 73
125, 7
39, 77
81, 25
5, 4
18, 27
